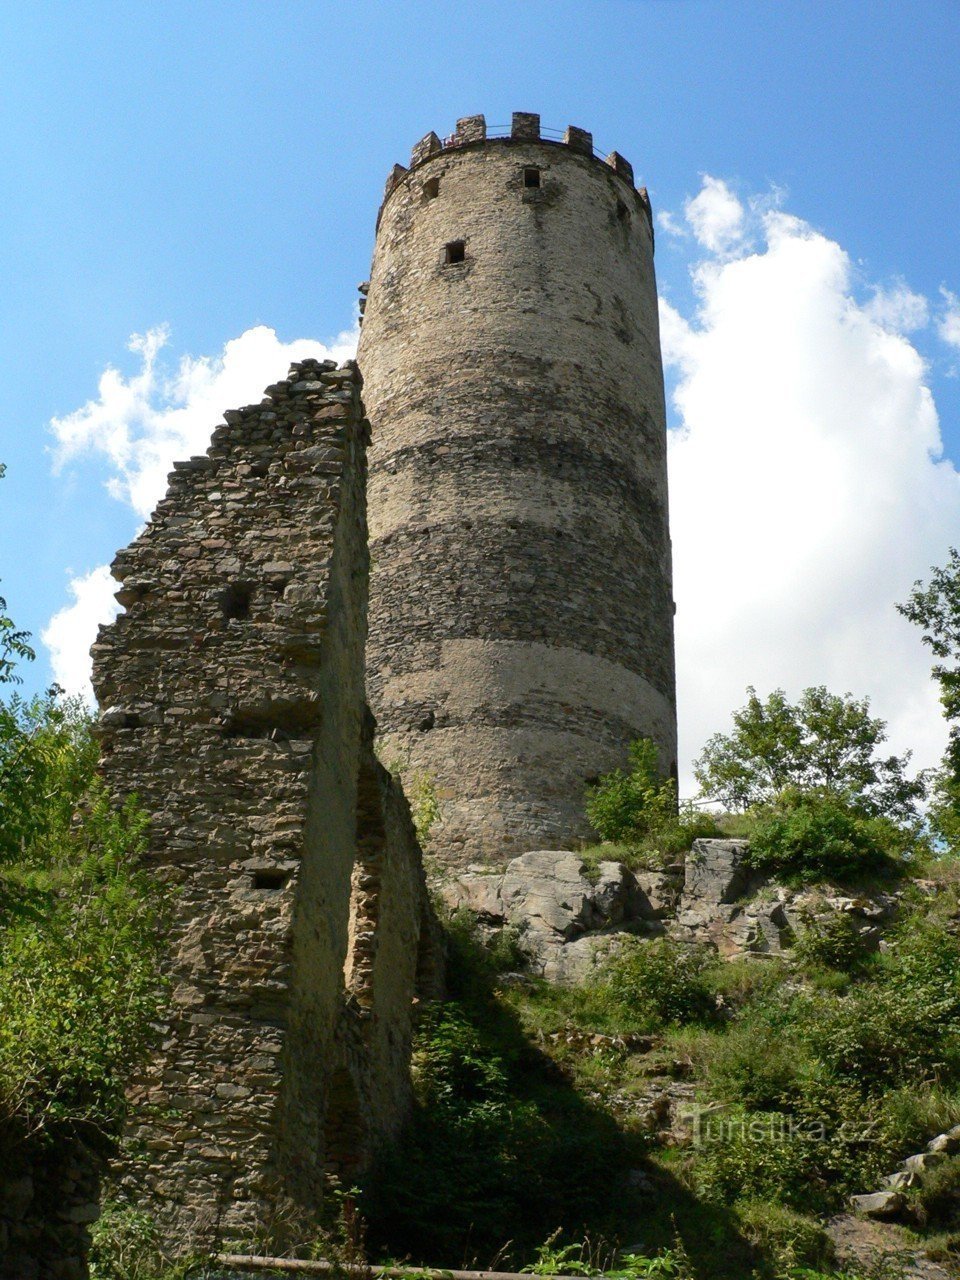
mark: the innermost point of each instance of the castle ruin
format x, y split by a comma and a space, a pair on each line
520, 637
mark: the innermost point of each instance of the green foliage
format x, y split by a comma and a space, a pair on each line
937, 1199
583, 1258
811, 835
14, 645
835, 941
424, 803
638, 808
791, 1240
935, 608
125, 1245
487, 1155
824, 743
47, 761
820, 1094
658, 982
78, 949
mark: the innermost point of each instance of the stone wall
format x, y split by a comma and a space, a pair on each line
521, 603
232, 696
49, 1195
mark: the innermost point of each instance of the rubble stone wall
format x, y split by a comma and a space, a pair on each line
232, 696
49, 1195
521, 601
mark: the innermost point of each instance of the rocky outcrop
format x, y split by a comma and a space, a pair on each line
568, 915
911, 1172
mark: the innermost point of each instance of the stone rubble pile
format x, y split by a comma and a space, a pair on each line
890, 1201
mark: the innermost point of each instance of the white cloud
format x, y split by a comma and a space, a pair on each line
808, 490
949, 326
144, 423
72, 630
899, 308
140, 425
671, 224
715, 216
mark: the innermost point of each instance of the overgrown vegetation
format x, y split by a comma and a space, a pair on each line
935, 608
78, 973
636, 810
79, 984
530, 1124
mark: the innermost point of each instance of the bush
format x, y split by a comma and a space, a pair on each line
789, 1238
638, 808
835, 941
937, 1200
817, 835
79, 973
125, 1245
658, 982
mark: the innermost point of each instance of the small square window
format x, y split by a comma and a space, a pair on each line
271, 878
455, 251
431, 189
531, 177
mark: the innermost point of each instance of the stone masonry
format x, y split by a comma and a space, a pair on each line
521, 604
232, 696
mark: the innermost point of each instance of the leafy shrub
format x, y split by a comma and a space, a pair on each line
818, 835
822, 743
659, 982
788, 1238
125, 1245
79, 981
487, 1156
638, 808
937, 1199
834, 940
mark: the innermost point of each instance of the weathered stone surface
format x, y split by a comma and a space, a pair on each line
49, 1195
879, 1204
923, 1161
521, 605
234, 696
567, 919
716, 874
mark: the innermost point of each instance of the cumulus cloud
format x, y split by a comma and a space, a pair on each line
899, 308
143, 423
72, 630
715, 216
949, 326
808, 486
139, 425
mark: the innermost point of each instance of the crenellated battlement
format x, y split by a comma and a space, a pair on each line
473, 131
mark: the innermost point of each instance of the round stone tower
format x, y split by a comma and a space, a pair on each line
521, 611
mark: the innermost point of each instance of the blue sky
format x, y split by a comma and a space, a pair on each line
216, 167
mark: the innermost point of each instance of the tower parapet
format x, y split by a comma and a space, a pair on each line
521, 604
524, 127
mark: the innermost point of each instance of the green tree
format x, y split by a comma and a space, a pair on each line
822, 743
79, 929
935, 608
13, 641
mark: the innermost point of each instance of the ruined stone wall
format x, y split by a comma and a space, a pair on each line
232, 696
521, 602
49, 1195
